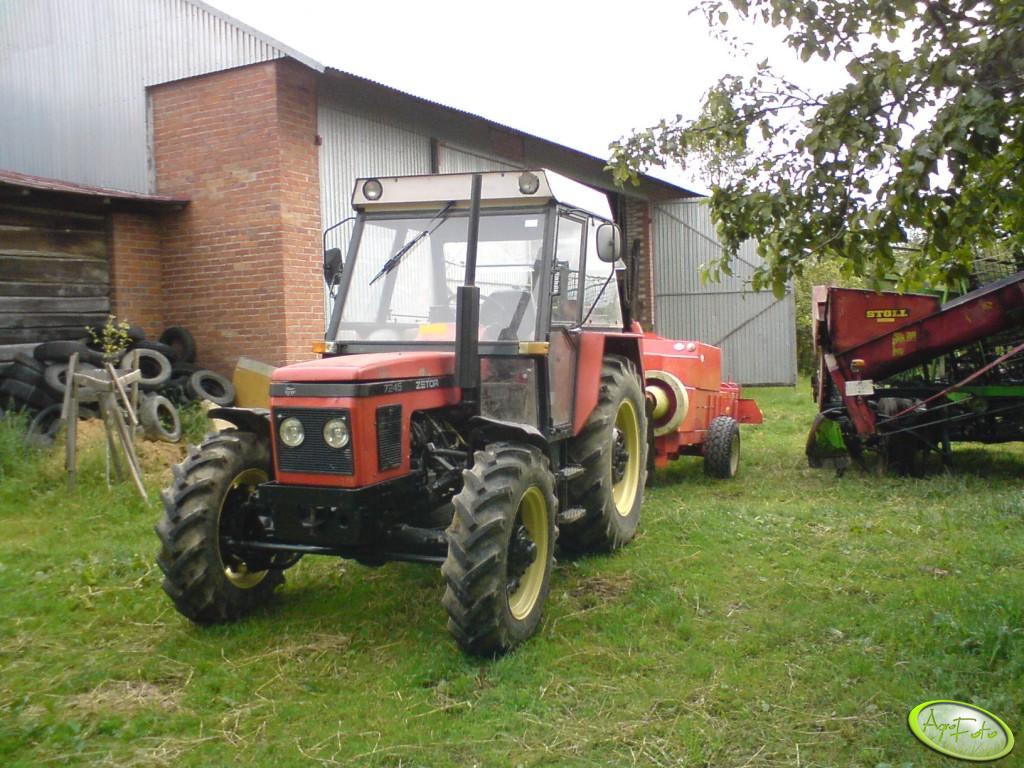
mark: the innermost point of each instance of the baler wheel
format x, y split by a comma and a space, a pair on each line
501, 544
612, 449
722, 448
205, 505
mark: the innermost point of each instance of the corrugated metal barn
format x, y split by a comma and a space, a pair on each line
258, 145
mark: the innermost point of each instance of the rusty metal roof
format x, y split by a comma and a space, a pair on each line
29, 182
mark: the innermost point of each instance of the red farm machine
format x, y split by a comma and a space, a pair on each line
903, 375
482, 390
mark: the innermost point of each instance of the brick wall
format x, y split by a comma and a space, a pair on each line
241, 264
638, 227
135, 264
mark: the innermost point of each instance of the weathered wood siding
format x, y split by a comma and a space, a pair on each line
54, 274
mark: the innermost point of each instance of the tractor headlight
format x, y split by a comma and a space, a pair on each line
291, 432
336, 433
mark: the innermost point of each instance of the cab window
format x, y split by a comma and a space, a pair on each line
565, 273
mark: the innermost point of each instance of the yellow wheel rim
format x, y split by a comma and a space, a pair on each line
626, 457
533, 512
241, 486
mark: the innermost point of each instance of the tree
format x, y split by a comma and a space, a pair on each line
924, 143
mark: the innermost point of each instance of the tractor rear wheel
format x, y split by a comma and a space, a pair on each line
612, 449
206, 505
501, 544
722, 448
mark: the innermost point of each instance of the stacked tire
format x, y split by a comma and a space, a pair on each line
171, 379
35, 383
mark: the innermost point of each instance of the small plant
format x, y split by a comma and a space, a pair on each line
194, 424
112, 338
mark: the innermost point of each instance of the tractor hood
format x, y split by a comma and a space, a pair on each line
378, 366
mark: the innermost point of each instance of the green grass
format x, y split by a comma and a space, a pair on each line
788, 617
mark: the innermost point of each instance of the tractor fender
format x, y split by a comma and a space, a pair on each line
493, 430
592, 348
255, 420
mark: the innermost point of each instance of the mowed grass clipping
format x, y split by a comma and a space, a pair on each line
788, 617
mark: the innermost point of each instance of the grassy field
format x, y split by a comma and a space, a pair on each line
788, 617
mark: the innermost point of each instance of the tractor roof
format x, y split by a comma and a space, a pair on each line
499, 188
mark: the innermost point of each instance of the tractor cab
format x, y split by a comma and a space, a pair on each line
537, 263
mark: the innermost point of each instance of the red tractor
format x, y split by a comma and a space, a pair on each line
481, 393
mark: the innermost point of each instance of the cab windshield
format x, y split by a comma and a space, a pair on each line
412, 298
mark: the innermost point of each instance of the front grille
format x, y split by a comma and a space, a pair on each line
313, 455
389, 437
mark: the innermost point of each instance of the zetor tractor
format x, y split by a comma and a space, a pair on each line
480, 395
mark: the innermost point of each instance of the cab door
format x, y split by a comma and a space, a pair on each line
565, 318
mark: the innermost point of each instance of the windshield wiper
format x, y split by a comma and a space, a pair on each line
394, 261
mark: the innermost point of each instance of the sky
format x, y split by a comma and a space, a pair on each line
579, 73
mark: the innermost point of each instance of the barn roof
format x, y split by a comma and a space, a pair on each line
587, 166
24, 183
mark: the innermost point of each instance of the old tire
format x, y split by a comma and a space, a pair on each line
207, 385
44, 427
29, 362
722, 448
500, 549
26, 374
183, 343
160, 420
61, 352
156, 346
25, 395
207, 582
155, 367
612, 449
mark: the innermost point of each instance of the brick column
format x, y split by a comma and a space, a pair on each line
638, 227
135, 279
241, 266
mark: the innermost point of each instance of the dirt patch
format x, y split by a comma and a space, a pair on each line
125, 696
602, 589
156, 457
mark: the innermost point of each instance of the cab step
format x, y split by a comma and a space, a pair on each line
571, 515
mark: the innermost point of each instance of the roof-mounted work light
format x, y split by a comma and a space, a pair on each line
372, 190
529, 183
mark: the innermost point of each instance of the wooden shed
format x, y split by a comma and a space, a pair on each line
56, 256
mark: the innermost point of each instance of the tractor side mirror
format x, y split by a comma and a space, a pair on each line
332, 265
609, 243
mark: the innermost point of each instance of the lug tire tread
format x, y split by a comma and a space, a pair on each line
602, 528
474, 571
189, 556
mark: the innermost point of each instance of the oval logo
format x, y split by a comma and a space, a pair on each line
961, 730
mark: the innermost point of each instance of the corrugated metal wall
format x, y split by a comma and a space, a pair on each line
455, 160
355, 146
756, 331
73, 75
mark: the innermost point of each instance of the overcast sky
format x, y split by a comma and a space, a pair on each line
579, 73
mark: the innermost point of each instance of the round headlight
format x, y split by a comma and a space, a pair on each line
372, 190
336, 433
291, 432
529, 183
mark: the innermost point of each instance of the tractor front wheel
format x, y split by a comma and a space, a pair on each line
501, 545
612, 450
207, 507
